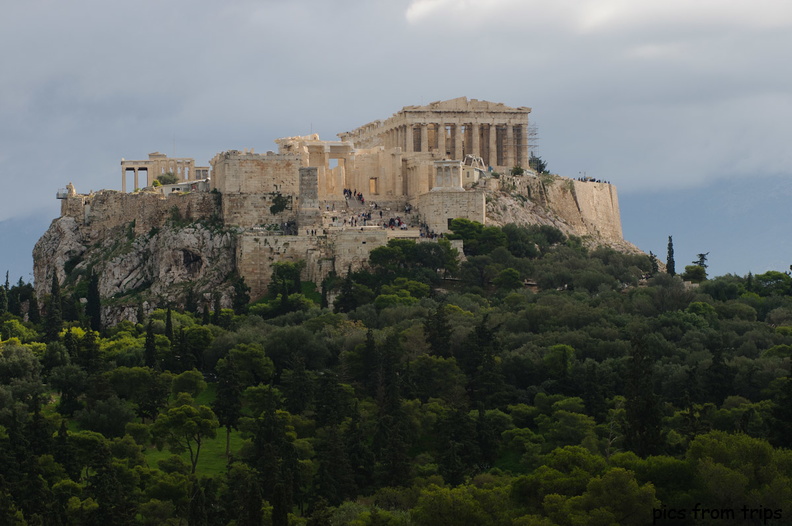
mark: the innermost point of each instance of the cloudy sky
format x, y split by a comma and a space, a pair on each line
685, 106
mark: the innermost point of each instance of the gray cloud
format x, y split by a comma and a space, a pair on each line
650, 95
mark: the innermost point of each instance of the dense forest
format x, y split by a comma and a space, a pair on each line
533, 382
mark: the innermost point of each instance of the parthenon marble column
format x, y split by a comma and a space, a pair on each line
424, 137
522, 151
492, 159
476, 146
509, 145
408, 138
457, 141
441, 140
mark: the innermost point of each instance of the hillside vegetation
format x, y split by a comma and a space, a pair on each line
534, 383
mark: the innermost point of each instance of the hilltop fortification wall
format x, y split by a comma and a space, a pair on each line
101, 212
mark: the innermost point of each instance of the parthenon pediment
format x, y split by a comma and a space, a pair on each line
463, 104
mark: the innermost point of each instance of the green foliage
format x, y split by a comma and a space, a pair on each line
537, 164
185, 428
593, 398
279, 203
694, 273
168, 178
670, 263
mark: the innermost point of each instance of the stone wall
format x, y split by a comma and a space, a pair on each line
438, 206
257, 251
337, 250
235, 172
103, 211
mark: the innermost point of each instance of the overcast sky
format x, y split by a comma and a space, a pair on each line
673, 101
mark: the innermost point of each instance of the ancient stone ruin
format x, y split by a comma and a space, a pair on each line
327, 203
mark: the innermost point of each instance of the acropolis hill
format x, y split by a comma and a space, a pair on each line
328, 203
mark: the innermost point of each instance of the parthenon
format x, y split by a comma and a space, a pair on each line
453, 129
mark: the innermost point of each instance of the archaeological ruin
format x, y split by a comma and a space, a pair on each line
329, 203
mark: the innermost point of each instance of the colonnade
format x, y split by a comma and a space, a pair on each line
157, 164
498, 144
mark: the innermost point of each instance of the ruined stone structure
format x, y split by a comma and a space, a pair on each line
328, 203
453, 129
158, 164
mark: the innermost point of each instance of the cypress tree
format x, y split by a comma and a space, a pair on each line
141, 316
34, 315
3, 300
228, 403
670, 259
54, 320
93, 305
438, 332
169, 325
150, 349
216, 311
190, 303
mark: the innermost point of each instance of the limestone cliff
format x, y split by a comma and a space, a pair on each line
150, 259
586, 209
150, 249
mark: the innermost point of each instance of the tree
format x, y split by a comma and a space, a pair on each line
241, 295
150, 348
694, 273
169, 325
93, 306
54, 321
190, 382
508, 279
438, 331
184, 428
670, 258
4, 297
228, 403
537, 164
168, 178
643, 433
701, 260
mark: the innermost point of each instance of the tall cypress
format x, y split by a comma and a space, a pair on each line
228, 403
93, 306
670, 259
438, 332
150, 349
169, 325
53, 323
3, 299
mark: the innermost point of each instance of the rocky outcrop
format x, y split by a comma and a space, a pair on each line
586, 209
151, 269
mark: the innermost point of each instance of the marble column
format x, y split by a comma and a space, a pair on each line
424, 137
476, 146
123, 179
136, 179
492, 159
408, 138
509, 146
441, 140
457, 141
522, 152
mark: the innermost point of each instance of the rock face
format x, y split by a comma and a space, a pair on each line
150, 250
586, 209
150, 269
